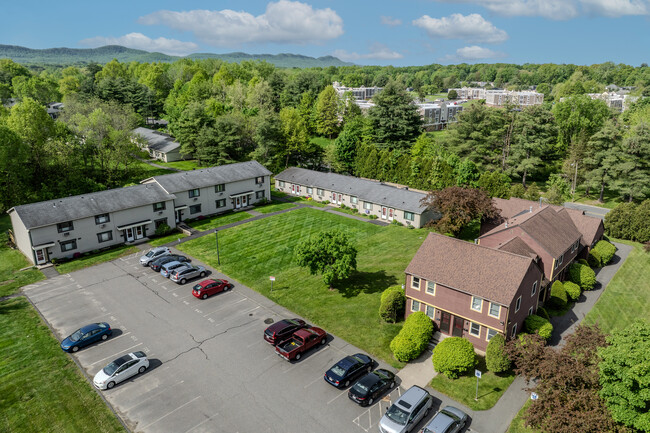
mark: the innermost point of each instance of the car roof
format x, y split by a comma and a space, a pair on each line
440, 422
411, 397
123, 359
168, 264
347, 362
281, 324
206, 282
89, 327
370, 379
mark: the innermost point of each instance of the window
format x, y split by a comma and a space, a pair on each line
430, 311
281, 183
518, 305
221, 203
409, 216
195, 209
194, 193
530, 311
161, 221
310, 190
220, 188
65, 227
559, 261
490, 333
514, 330
69, 245
534, 289
431, 288
367, 206
159, 206
259, 194
354, 200
474, 329
105, 236
415, 305
319, 191
259, 180
415, 283
495, 310
102, 219
477, 304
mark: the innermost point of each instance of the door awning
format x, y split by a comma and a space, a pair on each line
183, 206
130, 226
41, 246
241, 194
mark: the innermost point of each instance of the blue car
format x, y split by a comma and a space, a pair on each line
86, 335
348, 369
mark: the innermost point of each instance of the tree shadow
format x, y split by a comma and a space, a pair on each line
366, 282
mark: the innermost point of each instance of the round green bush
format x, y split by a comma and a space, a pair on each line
582, 275
392, 304
496, 359
572, 290
162, 230
453, 356
605, 250
541, 311
558, 295
414, 337
594, 260
583, 262
540, 325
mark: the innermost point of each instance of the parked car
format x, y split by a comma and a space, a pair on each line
154, 253
447, 420
407, 411
348, 369
371, 386
121, 369
187, 272
282, 330
300, 342
86, 335
167, 268
209, 287
157, 263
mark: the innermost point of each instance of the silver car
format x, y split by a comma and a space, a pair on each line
121, 369
407, 411
187, 272
153, 254
447, 420
167, 268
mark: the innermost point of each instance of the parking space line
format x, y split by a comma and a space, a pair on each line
187, 296
202, 422
152, 396
311, 355
225, 306
169, 413
313, 382
340, 394
111, 356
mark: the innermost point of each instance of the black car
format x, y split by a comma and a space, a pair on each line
348, 369
282, 330
157, 264
371, 386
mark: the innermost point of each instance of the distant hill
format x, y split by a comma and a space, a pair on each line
80, 56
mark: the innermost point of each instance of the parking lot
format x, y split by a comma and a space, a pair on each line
210, 370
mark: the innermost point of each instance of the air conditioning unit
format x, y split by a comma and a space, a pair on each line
160, 212
102, 226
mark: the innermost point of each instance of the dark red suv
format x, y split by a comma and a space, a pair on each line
210, 287
282, 330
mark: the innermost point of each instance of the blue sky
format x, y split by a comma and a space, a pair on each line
379, 32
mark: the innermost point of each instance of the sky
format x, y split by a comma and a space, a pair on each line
365, 32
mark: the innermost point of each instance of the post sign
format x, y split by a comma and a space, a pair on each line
533, 396
272, 278
477, 373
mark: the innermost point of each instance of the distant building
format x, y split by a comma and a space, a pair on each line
619, 100
360, 93
54, 109
160, 146
438, 115
499, 98
470, 93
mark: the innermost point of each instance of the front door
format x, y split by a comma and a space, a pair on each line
445, 321
243, 200
237, 202
391, 213
384, 212
333, 199
130, 235
458, 327
179, 216
139, 232
41, 256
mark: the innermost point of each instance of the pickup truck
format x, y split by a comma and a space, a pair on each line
301, 341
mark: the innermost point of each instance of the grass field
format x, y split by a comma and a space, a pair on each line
172, 237
627, 296
11, 261
490, 387
93, 259
219, 220
274, 207
41, 389
254, 251
191, 164
294, 199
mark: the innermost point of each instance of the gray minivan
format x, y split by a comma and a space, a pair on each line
407, 411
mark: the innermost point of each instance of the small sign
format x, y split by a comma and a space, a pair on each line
533, 396
272, 278
477, 373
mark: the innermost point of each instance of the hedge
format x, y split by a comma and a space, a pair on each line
496, 359
453, 356
414, 337
558, 295
606, 251
539, 325
629, 221
583, 262
541, 311
594, 260
392, 304
572, 290
582, 275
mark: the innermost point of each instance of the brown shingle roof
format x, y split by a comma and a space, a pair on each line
587, 225
481, 271
517, 246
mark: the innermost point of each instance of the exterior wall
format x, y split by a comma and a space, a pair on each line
22, 237
528, 300
174, 155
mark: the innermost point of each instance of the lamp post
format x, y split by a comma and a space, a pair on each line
216, 235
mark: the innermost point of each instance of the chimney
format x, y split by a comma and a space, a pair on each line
530, 210
540, 202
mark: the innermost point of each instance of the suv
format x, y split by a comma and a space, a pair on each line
154, 254
282, 330
167, 268
187, 272
407, 411
156, 264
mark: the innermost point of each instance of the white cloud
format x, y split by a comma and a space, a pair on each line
472, 53
142, 42
283, 22
390, 21
377, 52
615, 8
471, 28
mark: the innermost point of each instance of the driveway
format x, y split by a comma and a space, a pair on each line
592, 211
210, 371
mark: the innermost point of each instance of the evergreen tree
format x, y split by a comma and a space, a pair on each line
602, 157
394, 119
327, 118
347, 142
633, 169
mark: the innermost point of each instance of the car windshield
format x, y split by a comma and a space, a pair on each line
149, 254
361, 387
110, 368
197, 287
397, 415
338, 370
76, 335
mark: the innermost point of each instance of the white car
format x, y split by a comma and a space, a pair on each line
153, 254
121, 369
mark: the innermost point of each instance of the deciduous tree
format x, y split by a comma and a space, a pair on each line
330, 254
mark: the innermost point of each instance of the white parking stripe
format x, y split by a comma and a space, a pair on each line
225, 306
342, 393
169, 413
202, 422
112, 356
152, 396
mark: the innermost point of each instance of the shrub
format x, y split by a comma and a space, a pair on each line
496, 359
414, 337
582, 275
541, 311
606, 251
325, 202
572, 290
397, 223
558, 295
392, 304
373, 217
539, 325
594, 260
583, 262
355, 210
162, 230
453, 356
343, 206
517, 190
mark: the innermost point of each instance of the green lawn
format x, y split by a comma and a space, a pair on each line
322, 142
256, 250
294, 199
610, 198
274, 206
93, 259
156, 242
142, 170
11, 261
490, 387
190, 164
627, 296
219, 220
41, 388
518, 425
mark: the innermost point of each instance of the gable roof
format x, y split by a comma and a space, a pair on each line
587, 225
157, 140
517, 246
60, 210
366, 190
481, 271
186, 180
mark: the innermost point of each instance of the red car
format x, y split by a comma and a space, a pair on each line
282, 330
210, 287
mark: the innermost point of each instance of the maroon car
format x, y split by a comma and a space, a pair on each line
282, 330
210, 287
301, 341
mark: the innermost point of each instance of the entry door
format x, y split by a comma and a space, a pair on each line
139, 232
333, 199
458, 327
340, 198
384, 212
238, 202
41, 256
243, 200
179, 216
391, 213
129, 235
445, 321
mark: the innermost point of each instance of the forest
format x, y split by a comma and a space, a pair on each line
223, 112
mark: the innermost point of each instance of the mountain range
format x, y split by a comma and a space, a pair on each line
81, 56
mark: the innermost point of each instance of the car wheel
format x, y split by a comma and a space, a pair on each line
371, 401
369, 369
426, 412
347, 383
75, 348
104, 337
228, 287
205, 296
110, 385
142, 369
202, 274
183, 281
392, 385
298, 356
323, 341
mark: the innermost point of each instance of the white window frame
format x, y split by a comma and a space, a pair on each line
514, 330
534, 289
471, 305
415, 283
319, 191
310, 190
471, 331
367, 205
530, 311
488, 337
433, 311
413, 303
281, 183
490, 310
559, 261
409, 216
433, 288
353, 199
518, 304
